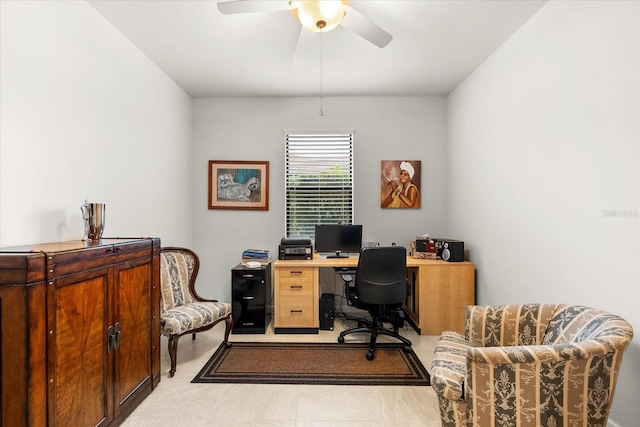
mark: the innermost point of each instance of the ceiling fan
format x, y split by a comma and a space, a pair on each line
315, 16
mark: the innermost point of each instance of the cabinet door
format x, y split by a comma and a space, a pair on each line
133, 331
78, 371
445, 290
23, 367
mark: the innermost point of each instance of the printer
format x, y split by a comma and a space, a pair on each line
295, 248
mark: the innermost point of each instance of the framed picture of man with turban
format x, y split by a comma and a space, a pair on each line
400, 184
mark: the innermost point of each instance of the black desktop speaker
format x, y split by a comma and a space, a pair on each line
326, 312
452, 250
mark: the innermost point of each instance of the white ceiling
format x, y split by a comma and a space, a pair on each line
436, 44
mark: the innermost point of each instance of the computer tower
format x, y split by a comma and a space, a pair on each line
326, 312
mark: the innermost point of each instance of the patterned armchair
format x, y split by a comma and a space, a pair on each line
538, 365
182, 310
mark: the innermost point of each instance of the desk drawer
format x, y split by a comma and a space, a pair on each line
295, 281
293, 286
291, 273
297, 312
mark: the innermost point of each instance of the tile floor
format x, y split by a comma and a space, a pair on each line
176, 402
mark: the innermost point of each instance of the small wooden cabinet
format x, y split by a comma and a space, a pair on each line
251, 296
296, 300
80, 331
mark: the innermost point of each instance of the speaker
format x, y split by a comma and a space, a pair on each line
326, 312
452, 250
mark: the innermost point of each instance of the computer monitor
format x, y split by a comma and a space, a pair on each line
338, 240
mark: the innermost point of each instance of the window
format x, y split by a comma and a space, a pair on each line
318, 181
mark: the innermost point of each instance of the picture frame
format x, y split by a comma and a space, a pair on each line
400, 184
239, 184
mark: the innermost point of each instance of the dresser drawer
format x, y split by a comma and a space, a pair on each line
297, 311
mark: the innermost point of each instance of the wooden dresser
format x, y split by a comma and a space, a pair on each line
79, 324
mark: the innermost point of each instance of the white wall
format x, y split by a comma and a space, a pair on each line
543, 148
85, 115
386, 128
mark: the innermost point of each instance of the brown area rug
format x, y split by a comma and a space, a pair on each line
313, 363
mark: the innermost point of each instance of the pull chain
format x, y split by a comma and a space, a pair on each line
321, 112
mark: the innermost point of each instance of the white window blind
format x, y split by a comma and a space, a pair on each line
318, 181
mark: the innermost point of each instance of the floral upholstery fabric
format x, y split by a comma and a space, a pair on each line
176, 269
578, 323
182, 310
179, 311
192, 316
492, 326
537, 365
448, 367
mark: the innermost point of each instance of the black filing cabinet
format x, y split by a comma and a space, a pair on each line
251, 296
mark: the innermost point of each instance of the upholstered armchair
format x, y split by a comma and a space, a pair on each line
182, 310
538, 365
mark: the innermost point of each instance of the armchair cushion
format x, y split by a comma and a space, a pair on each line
192, 316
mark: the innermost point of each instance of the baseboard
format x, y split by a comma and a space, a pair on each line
611, 423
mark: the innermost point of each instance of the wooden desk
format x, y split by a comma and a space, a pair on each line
439, 293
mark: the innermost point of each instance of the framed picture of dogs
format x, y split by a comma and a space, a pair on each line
238, 184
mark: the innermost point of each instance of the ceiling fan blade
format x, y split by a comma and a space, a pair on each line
364, 27
304, 45
248, 6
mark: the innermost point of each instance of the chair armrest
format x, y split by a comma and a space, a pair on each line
346, 273
537, 354
197, 297
208, 300
458, 365
449, 365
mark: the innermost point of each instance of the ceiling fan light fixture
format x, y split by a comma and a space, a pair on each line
319, 15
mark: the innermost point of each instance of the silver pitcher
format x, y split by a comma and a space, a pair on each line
93, 217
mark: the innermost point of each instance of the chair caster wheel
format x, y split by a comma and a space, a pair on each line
341, 339
370, 355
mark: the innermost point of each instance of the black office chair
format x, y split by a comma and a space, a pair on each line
380, 287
